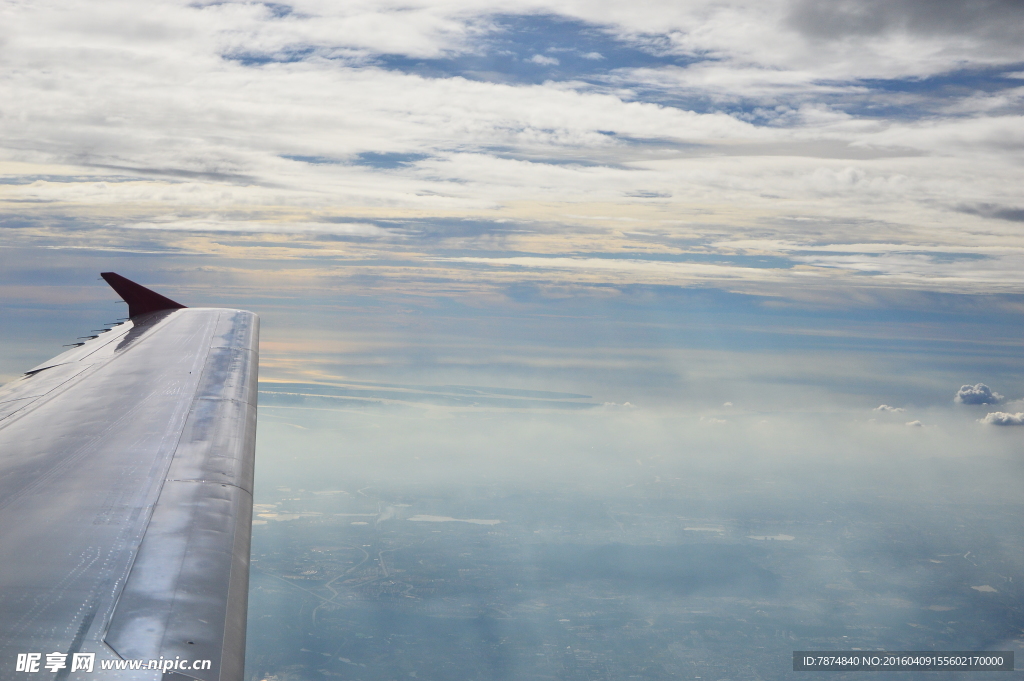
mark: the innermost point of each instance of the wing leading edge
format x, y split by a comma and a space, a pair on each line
126, 471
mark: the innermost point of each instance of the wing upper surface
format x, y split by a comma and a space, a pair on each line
125, 496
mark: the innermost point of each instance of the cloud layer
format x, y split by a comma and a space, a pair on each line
778, 147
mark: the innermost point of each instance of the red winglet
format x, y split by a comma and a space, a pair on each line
139, 298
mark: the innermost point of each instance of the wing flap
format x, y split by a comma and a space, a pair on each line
192, 568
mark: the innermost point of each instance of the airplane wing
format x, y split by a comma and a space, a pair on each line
126, 468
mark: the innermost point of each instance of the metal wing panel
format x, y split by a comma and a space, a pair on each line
80, 469
196, 549
20, 393
83, 466
11, 406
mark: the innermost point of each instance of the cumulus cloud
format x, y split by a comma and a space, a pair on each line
977, 394
915, 424
543, 60
888, 409
1002, 418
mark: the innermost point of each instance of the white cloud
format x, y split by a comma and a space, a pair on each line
1002, 418
887, 408
915, 424
543, 60
977, 394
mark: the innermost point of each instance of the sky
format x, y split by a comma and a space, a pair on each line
785, 233
715, 175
